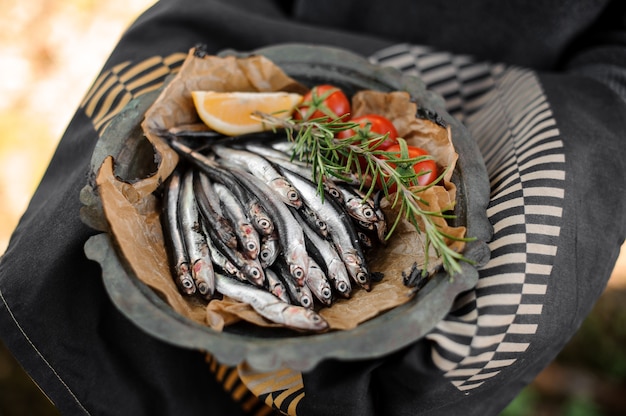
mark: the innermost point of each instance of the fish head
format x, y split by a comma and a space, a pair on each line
321, 227
338, 274
250, 241
335, 193
261, 220
356, 269
287, 192
268, 252
305, 298
253, 271
303, 318
298, 262
318, 283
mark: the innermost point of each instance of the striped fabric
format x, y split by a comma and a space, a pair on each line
118, 86
507, 113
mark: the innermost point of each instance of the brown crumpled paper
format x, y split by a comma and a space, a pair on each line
133, 210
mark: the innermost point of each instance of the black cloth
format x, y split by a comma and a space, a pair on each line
57, 320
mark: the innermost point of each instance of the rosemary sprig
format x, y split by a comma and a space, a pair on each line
358, 157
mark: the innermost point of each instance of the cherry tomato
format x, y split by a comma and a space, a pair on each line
427, 168
324, 101
373, 125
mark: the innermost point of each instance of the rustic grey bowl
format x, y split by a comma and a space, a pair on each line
266, 349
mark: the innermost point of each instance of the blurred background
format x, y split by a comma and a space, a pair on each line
51, 52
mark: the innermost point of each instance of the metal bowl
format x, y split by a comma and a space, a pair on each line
269, 348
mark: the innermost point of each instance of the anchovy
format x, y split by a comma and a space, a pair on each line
318, 283
340, 227
326, 255
290, 232
276, 286
260, 218
262, 169
301, 168
222, 262
371, 218
222, 228
195, 240
173, 237
312, 219
246, 234
299, 294
357, 206
270, 307
270, 249
249, 268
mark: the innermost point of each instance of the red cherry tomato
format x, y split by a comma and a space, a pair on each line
373, 125
323, 101
426, 169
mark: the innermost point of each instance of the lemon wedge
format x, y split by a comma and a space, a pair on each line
232, 113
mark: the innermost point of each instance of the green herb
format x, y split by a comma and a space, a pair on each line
315, 143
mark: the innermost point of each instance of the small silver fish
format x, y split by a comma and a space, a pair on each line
222, 262
313, 219
357, 206
270, 249
251, 268
340, 226
246, 234
221, 227
289, 231
179, 261
303, 169
335, 268
299, 294
276, 286
195, 240
261, 219
318, 283
262, 169
271, 307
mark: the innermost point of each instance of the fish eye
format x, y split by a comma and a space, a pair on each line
333, 192
255, 272
265, 254
298, 273
361, 277
263, 223
203, 287
326, 292
368, 213
292, 195
251, 245
188, 284
305, 301
342, 287
321, 224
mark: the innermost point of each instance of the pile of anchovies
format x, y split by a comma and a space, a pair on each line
247, 221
